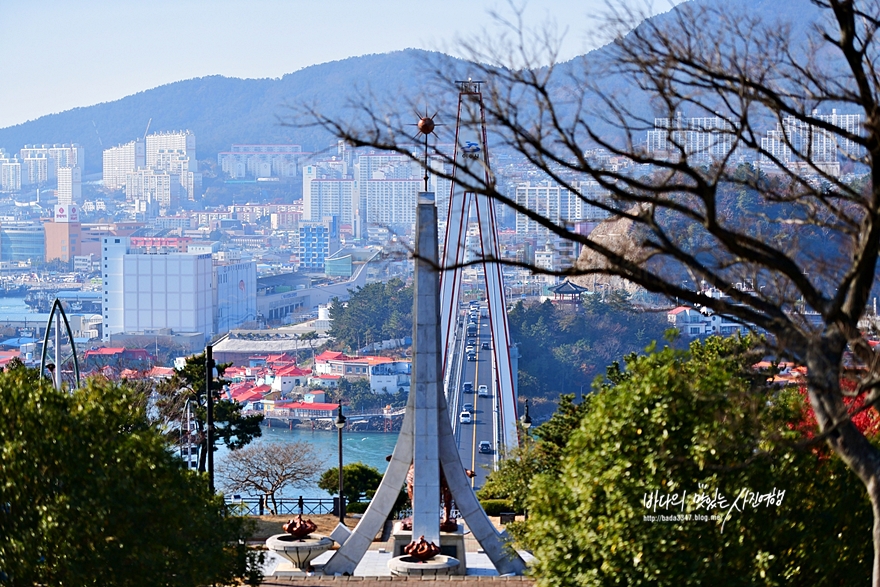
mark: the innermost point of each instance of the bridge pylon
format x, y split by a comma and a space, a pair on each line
471, 166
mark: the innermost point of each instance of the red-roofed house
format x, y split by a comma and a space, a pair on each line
117, 357
336, 363
287, 378
6, 356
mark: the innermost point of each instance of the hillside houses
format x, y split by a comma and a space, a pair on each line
276, 385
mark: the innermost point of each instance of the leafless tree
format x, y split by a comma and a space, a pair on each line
269, 467
795, 251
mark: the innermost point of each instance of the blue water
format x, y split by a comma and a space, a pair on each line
369, 448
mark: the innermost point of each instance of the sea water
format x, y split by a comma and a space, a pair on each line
369, 448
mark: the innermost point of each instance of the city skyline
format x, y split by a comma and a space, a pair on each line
107, 60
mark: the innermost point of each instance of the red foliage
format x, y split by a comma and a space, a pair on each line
867, 421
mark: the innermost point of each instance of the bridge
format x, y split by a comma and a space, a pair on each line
479, 363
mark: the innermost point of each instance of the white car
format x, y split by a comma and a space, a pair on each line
469, 348
465, 418
483, 391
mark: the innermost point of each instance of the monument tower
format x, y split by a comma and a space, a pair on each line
426, 439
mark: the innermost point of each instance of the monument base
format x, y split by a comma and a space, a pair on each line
451, 545
411, 567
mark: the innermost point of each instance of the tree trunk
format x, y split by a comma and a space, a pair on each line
275, 505
823, 386
874, 494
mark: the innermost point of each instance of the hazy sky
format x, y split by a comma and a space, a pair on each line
60, 54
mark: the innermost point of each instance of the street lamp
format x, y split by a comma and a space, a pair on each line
526, 420
340, 424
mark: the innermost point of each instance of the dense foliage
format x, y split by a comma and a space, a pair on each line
359, 397
91, 495
376, 312
695, 423
231, 427
563, 348
359, 480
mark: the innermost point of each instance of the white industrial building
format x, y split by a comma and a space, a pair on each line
155, 293
235, 295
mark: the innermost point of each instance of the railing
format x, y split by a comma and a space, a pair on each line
258, 506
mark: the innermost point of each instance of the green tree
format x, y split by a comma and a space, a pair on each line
231, 427
92, 495
374, 312
688, 423
359, 479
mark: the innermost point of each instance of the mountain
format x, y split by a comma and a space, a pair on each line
222, 111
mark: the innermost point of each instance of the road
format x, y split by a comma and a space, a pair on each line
482, 426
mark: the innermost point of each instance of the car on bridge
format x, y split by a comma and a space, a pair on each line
470, 348
468, 386
485, 346
472, 356
468, 407
483, 391
485, 446
464, 417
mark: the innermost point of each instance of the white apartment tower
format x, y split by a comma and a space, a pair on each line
707, 138
69, 186
796, 140
152, 191
558, 204
327, 192
260, 161
121, 160
42, 162
10, 173
175, 152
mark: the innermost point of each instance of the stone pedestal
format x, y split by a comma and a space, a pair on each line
411, 567
451, 545
297, 552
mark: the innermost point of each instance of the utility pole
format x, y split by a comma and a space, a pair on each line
209, 376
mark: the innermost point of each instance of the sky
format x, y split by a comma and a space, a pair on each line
61, 54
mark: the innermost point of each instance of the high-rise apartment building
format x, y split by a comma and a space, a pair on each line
796, 140
261, 161
10, 172
121, 160
152, 191
42, 162
172, 153
317, 241
328, 192
705, 138
69, 185
175, 153
558, 204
